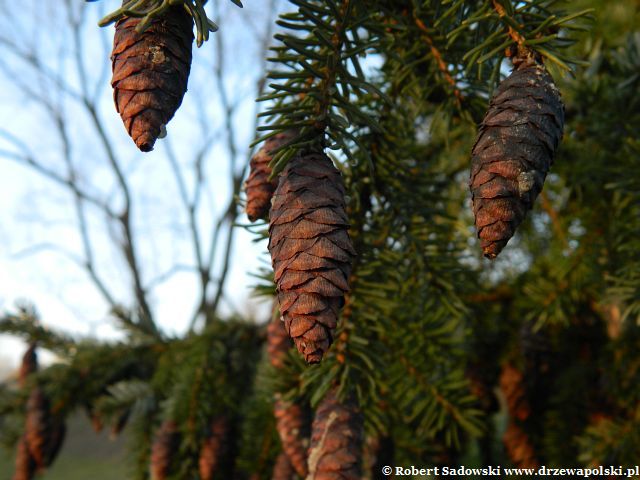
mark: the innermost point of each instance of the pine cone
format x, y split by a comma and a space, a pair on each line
482, 388
513, 388
44, 432
311, 251
119, 424
518, 447
55, 438
293, 429
162, 450
515, 439
283, 470
258, 186
514, 151
336, 440
278, 343
213, 449
29, 364
25, 464
150, 72
37, 427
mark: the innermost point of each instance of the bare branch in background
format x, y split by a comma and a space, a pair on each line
128, 242
232, 211
70, 88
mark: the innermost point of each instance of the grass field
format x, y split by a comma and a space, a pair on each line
85, 455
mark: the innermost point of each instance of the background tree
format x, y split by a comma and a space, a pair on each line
439, 357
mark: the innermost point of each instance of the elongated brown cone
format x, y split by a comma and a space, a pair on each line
28, 365
518, 447
278, 343
119, 424
162, 450
37, 429
515, 439
292, 420
44, 432
213, 449
293, 428
25, 465
150, 72
283, 470
516, 144
311, 251
57, 434
258, 186
513, 389
336, 440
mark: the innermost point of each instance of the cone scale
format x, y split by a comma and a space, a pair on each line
514, 150
150, 73
311, 251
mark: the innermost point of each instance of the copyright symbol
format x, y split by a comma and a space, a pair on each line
387, 470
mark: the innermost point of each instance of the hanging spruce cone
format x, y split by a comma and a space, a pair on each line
518, 447
293, 428
310, 250
258, 186
25, 465
482, 388
119, 423
283, 470
37, 428
278, 343
516, 144
162, 450
513, 389
44, 432
57, 432
150, 72
515, 439
336, 440
28, 365
213, 449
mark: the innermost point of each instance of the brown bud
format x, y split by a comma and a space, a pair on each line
514, 150
293, 428
336, 440
150, 72
25, 464
258, 186
311, 251
163, 449
213, 449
